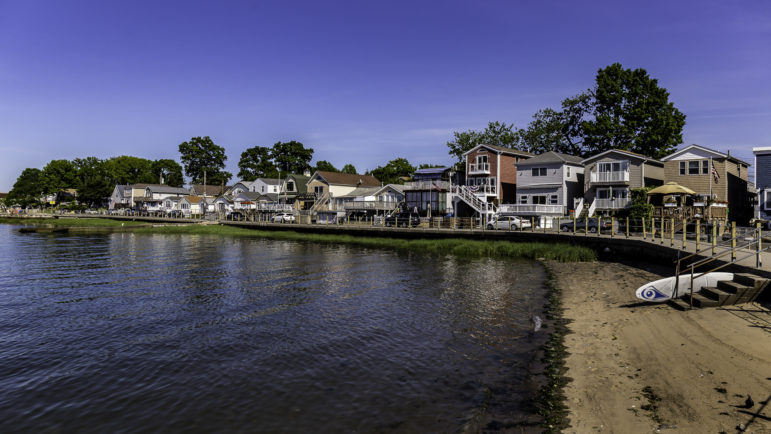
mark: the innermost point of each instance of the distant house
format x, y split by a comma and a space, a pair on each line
240, 187
547, 185
294, 190
763, 181
223, 205
610, 175
120, 197
158, 197
192, 205
712, 175
430, 189
491, 179
266, 185
368, 201
327, 185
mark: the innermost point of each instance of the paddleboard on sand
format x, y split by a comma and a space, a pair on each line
661, 290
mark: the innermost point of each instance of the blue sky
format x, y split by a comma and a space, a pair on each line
360, 82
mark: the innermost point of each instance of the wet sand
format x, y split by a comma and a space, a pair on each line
639, 367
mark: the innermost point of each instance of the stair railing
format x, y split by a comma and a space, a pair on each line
691, 268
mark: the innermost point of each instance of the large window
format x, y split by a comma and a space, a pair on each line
538, 199
289, 186
539, 171
694, 167
318, 190
612, 166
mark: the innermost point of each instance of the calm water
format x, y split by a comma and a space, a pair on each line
123, 332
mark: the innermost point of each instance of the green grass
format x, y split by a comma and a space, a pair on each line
70, 222
442, 246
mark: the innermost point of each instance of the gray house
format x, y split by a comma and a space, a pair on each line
763, 181
546, 185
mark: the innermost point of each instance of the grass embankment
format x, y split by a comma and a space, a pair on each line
455, 246
65, 221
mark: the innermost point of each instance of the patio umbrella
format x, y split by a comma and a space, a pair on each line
671, 188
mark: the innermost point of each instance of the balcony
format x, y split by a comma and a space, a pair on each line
479, 169
369, 205
532, 209
613, 203
610, 177
482, 190
428, 185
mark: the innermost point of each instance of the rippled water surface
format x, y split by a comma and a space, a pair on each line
124, 332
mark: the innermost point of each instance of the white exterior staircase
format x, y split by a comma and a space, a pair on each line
479, 205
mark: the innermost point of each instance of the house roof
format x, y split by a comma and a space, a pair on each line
193, 199
270, 181
211, 190
708, 151
361, 191
624, 153
353, 179
552, 157
432, 171
536, 186
300, 181
501, 149
168, 190
398, 187
249, 195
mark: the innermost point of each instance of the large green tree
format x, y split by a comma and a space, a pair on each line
27, 189
202, 156
631, 112
170, 171
349, 169
559, 131
394, 171
496, 133
256, 162
325, 166
93, 183
291, 157
126, 170
58, 175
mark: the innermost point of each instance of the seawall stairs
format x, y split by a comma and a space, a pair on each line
744, 288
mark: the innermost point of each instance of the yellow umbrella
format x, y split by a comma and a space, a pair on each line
671, 188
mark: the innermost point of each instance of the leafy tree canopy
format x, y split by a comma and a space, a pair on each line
27, 189
93, 183
130, 170
292, 157
496, 133
348, 168
170, 171
57, 175
256, 162
325, 166
633, 113
201, 155
393, 172
429, 166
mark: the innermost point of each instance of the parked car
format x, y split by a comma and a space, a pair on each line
402, 220
507, 222
581, 225
283, 217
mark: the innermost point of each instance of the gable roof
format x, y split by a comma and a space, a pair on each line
360, 191
396, 187
353, 179
210, 190
192, 199
501, 150
552, 157
625, 154
711, 152
301, 182
270, 181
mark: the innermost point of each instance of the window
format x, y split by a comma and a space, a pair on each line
290, 186
568, 171
523, 199
481, 159
263, 189
704, 167
318, 190
682, 167
613, 166
491, 181
603, 193
539, 171
553, 199
540, 200
693, 167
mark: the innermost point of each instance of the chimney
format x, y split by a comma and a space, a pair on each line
307, 172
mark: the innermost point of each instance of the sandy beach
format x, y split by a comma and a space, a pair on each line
639, 367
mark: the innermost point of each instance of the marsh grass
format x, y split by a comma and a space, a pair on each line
70, 222
454, 246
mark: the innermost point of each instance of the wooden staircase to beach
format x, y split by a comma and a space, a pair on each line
744, 288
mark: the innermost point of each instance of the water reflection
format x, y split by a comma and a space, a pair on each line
170, 333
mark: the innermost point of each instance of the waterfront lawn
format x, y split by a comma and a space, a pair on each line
456, 246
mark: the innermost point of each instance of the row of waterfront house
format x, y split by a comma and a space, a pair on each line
496, 180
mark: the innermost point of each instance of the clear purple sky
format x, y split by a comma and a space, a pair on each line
360, 82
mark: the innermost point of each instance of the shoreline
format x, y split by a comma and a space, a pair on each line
642, 367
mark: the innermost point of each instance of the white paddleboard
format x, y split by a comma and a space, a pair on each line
662, 289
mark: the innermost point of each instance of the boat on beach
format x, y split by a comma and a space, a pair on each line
664, 289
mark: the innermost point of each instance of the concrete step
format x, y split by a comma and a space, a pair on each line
750, 280
717, 294
732, 287
702, 301
679, 304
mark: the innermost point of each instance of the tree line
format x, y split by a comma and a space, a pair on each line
202, 161
625, 109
